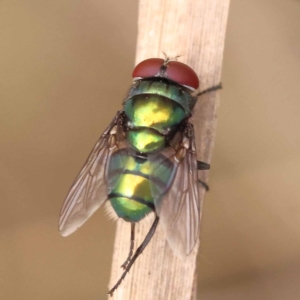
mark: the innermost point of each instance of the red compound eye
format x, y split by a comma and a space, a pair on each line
148, 68
182, 74
176, 71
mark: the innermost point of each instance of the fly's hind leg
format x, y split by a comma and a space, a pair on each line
138, 251
131, 247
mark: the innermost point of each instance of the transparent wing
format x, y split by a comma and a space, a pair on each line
179, 206
161, 174
89, 190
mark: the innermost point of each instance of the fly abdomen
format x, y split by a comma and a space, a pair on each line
129, 186
131, 197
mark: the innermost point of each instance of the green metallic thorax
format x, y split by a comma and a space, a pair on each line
153, 110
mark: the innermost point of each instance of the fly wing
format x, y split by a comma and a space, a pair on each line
162, 172
179, 206
89, 190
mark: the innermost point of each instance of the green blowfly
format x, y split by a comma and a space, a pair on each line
145, 161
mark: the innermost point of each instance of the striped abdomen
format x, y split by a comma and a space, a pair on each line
130, 183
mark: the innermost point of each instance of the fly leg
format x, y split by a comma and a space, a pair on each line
131, 247
204, 184
211, 89
138, 251
190, 133
203, 166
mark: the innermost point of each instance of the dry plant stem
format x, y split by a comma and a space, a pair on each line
195, 30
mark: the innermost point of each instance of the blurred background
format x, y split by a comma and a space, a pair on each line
65, 67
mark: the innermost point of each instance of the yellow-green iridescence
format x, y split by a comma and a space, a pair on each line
128, 209
154, 109
130, 193
132, 187
131, 182
161, 88
145, 140
153, 116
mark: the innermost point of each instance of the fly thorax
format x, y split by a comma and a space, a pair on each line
154, 111
166, 88
146, 140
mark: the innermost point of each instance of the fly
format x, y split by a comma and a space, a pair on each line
145, 161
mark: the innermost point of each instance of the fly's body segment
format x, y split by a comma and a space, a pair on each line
145, 161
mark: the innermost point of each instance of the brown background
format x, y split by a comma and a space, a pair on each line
65, 67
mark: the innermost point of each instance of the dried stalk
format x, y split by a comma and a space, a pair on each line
194, 29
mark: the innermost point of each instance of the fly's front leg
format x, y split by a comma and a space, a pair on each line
211, 89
